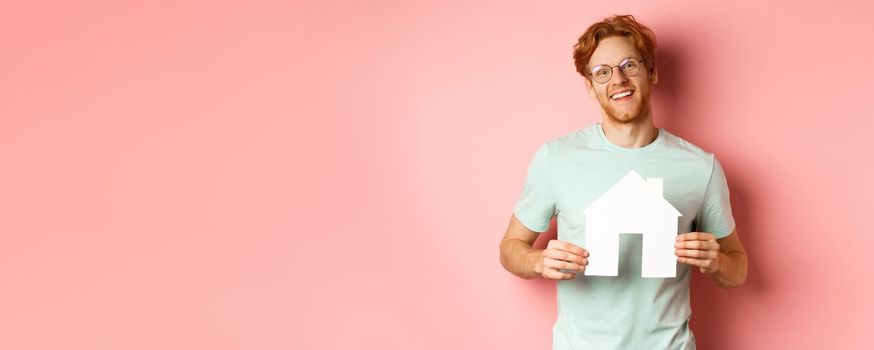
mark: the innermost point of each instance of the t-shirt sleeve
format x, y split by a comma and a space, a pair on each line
715, 213
536, 206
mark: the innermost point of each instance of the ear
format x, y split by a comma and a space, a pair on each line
653, 76
589, 88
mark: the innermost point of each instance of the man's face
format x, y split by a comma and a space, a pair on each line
612, 51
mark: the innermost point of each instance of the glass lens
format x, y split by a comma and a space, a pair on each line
601, 74
630, 67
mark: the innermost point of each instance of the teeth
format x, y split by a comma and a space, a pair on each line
621, 95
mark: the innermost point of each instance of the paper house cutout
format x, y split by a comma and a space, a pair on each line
632, 205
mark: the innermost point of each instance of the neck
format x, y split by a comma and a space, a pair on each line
635, 134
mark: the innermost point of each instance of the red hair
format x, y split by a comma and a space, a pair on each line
619, 25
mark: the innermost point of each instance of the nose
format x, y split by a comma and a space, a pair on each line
618, 77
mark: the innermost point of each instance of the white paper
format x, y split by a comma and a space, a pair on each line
632, 205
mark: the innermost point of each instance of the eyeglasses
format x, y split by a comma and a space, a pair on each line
629, 68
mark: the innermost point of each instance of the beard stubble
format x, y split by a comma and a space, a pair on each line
636, 113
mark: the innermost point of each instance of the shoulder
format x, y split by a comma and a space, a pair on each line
572, 141
688, 150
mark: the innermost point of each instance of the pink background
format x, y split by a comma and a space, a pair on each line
274, 175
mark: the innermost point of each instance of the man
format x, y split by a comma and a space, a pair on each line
616, 58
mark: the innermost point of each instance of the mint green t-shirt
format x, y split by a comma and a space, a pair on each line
627, 311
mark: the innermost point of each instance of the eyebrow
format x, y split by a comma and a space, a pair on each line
620, 61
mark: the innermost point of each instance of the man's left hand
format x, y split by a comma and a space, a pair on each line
698, 249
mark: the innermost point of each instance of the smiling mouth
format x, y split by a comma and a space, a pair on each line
622, 96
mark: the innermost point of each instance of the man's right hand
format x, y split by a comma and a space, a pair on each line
561, 255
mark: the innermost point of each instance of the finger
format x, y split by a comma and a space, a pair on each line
555, 275
562, 265
582, 263
566, 246
698, 254
562, 255
695, 236
692, 261
573, 248
700, 245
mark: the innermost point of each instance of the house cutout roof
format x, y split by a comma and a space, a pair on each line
635, 195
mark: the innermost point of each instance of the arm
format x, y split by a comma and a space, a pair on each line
517, 255
724, 259
731, 263
520, 258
